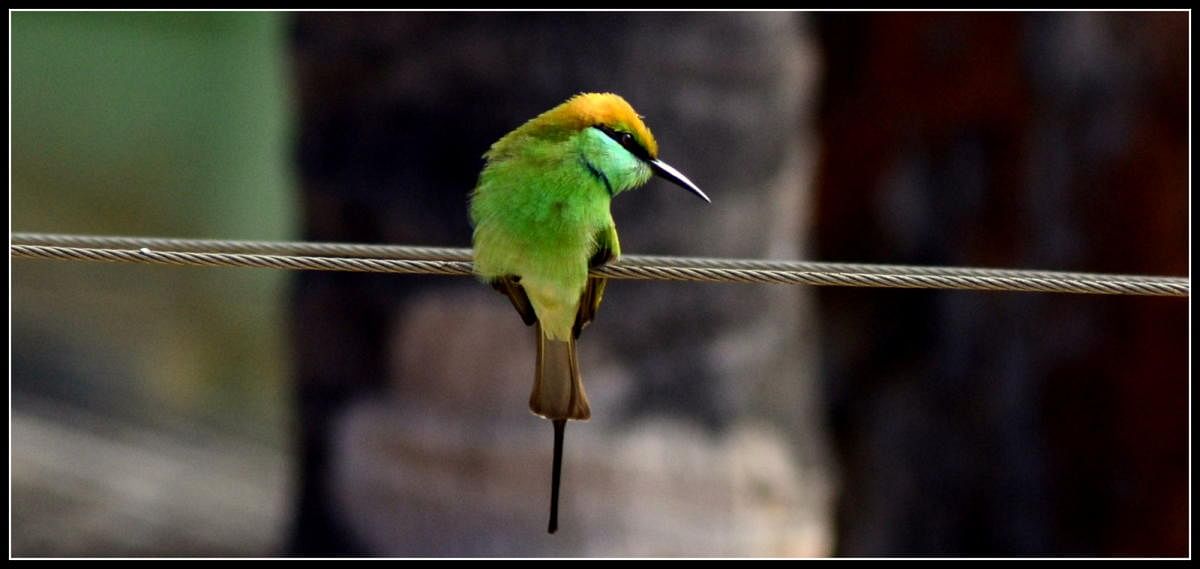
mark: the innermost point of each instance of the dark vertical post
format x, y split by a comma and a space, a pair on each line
1006, 424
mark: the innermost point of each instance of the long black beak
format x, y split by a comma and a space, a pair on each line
672, 175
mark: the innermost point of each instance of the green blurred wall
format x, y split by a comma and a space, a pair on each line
164, 124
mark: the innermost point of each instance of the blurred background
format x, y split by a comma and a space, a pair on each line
241, 412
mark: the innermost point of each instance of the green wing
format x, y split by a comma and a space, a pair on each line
509, 286
608, 248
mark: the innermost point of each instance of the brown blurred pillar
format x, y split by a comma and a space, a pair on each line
1006, 424
415, 436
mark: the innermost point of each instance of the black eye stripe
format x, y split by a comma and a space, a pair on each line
626, 140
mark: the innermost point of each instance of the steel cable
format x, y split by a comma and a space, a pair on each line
457, 261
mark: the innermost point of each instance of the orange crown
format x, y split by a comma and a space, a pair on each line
592, 109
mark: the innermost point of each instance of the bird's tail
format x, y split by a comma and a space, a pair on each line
557, 387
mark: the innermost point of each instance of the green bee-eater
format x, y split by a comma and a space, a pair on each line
542, 220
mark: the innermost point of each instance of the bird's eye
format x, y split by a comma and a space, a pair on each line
625, 139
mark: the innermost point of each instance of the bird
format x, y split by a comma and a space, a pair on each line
541, 220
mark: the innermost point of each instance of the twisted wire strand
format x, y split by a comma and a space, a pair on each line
409, 252
451, 261
305, 248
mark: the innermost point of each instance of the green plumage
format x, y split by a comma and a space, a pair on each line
541, 216
542, 220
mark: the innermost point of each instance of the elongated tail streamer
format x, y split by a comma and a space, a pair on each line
556, 474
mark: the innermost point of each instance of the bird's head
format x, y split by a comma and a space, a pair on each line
608, 136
